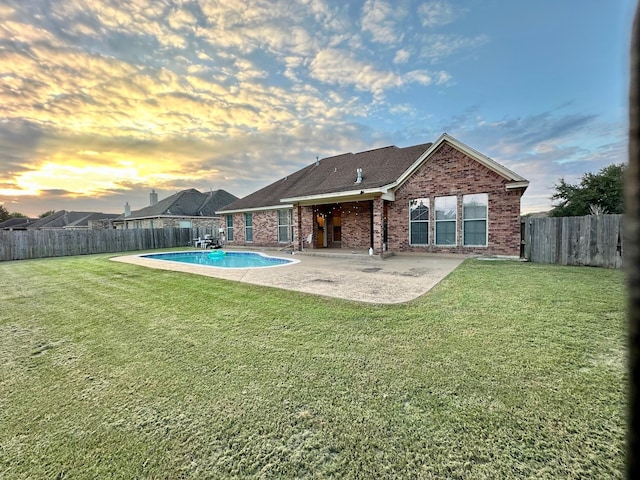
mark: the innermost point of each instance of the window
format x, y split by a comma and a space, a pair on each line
185, 223
446, 208
474, 219
229, 228
248, 227
419, 221
285, 226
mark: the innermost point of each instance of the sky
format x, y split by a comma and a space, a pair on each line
102, 101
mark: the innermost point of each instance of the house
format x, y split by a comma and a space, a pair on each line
185, 209
16, 223
435, 197
65, 220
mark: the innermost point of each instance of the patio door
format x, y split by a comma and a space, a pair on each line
321, 237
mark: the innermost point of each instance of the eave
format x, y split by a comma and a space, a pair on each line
151, 217
254, 209
340, 197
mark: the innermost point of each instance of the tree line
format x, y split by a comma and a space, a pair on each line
5, 215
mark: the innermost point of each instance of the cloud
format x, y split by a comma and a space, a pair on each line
437, 46
436, 13
381, 20
401, 56
342, 68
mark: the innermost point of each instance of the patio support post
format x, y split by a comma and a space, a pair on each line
297, 222
378, 219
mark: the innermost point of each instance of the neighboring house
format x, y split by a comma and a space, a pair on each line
185, 209
64, 220
434, 197
16, 223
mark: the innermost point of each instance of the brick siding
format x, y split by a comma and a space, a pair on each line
356, 225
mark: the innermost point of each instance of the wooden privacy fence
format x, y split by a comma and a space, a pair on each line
25, 244
594, 240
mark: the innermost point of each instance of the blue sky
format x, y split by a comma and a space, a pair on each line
103, 101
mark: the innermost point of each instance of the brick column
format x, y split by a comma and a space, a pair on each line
378, 219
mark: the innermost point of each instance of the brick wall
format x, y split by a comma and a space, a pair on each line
450, 172
356, 225
307, 223
265, 229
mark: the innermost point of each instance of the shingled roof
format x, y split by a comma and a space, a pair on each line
66, 219
380, 167
334, 178
187, 203
16, 223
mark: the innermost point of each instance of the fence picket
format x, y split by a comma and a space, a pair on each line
593, 240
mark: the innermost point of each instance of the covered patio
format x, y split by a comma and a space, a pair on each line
352, 225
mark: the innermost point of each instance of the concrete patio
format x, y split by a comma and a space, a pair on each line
350, 276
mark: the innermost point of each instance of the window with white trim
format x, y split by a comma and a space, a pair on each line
285, 225
248, 227
474, 219
419, 221
445, 219
229, 228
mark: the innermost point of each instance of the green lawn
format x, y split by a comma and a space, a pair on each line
504, 370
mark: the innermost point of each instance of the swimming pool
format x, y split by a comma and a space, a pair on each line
222, 259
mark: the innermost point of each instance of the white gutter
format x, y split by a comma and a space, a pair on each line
511, 186
254, 209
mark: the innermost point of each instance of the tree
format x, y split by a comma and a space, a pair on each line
601, 192
5, 215
47, 213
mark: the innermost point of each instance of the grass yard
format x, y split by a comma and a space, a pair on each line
504, 370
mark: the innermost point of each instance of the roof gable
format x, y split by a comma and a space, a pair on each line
470, 152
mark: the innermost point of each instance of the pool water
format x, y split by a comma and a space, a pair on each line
222, 259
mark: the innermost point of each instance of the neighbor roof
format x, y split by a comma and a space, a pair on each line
63, 218
187, 203
16, 223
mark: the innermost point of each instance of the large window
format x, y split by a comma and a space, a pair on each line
474, 219
285, 226
419, 221
248, 227
445, 209
229, 228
